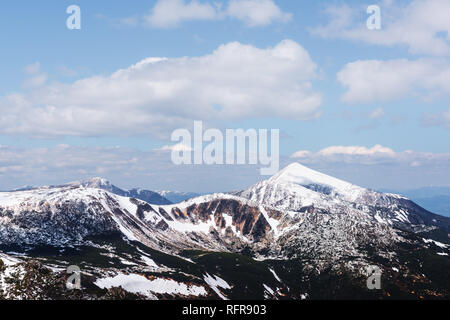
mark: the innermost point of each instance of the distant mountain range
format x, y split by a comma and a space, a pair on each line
153, 197
177, 197
299, 235
435, 199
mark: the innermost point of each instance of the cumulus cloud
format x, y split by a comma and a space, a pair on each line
422, 26
379, 167
376, 80
257, 12
254, 13
356, 150
170, 13
376, 155
158, 95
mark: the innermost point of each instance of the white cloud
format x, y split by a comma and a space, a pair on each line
176, 147
376, 155
125, 167
36, 78
347, 153
128, 168
64, 163
33, 68
301, 154
356, 151
67, 72
377, 113
170, 13
438, 119
254, 13
422, 26
376, 80
36, 81
257, 12
158, 95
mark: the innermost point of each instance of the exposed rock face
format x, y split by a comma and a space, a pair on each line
246, 220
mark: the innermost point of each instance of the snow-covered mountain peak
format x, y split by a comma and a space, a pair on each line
297, 188
298, 174
96, 182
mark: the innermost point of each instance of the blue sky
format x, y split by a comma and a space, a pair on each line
357, 89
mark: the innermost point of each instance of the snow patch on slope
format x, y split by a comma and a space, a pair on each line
215, 283
139, 284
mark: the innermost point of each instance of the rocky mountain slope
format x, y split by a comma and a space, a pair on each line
281, 238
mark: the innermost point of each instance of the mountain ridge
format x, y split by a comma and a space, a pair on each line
104, 184
299, 215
